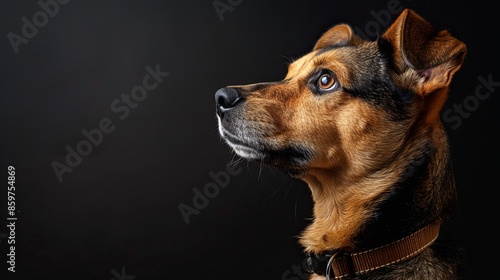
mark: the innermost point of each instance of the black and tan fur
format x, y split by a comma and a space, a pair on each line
370, 145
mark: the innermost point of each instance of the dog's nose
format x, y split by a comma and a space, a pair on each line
225, 99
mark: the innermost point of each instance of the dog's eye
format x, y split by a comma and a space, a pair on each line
326, 81
323, 81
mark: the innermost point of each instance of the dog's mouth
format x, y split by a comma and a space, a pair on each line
244, 148
291, 158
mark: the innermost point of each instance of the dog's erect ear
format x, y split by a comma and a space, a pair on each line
338, 35
434, 56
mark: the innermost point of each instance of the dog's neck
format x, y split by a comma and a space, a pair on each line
355, 216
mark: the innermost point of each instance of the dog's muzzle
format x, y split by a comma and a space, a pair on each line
232, 126
253, 140
226, 99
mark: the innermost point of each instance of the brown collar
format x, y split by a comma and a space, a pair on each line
337, 265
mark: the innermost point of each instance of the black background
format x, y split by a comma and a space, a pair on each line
116, 215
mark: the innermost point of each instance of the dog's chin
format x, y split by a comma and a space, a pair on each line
242, 146
292, 158
246, 152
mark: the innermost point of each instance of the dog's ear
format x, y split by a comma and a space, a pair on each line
339, 35
419, 49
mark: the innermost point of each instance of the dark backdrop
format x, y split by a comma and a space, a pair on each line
116, 214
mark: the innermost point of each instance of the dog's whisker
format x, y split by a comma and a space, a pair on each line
261, 166
235, 160
273, 194
274, 173
231, 162
288, 189
289, 59
248, 167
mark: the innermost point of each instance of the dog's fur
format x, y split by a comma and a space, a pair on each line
359, 122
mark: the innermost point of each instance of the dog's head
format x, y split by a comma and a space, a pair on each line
349, 106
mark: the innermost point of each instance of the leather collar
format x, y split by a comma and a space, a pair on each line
348, 265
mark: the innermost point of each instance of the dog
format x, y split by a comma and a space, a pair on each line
359, 122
